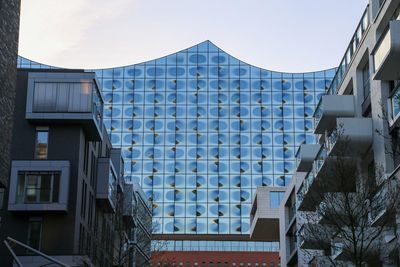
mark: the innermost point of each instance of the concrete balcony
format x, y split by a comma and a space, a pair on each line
106, 190
341, 248
305, 157
313, 236
129, 203
331, 107
307, 195
118, 163
350, 137
73, 98
386, 54
262, 216
334, 208
385, 202
39, 185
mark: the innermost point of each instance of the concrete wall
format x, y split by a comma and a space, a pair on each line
9, 28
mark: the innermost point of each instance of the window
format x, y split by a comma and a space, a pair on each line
63, 97
112, 186
275, 199
41, 146
38, 187
34, 233
366, 81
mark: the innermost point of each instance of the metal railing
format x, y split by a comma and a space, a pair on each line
351, 49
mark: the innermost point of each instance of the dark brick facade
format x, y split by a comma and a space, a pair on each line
9, 28
215, 258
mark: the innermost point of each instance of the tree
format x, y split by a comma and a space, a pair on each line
354, 209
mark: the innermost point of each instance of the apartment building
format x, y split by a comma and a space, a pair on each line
357, 122
66, 195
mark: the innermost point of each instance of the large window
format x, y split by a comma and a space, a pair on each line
62, 97
275, 199
42, 140
35, 233
366, 81
38, 187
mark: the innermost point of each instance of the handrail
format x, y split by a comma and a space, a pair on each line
350, 51
31, 249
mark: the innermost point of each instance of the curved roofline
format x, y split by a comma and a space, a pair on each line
143, 62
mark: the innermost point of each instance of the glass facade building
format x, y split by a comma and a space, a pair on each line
200, 130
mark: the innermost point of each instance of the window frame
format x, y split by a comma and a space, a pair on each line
38, 188
33, 220
36, 154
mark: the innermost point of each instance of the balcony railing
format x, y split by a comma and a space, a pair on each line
349, 137
320, 159
351, 50
337, 247
321, 211
378, 205
318, 113
106, 190
300, 194
331, 107
298, 156
395, 106
332, 138
305, 199
305, 156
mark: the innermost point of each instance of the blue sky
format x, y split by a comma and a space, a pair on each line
281, 35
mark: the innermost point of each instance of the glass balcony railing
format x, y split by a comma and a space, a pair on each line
320, 159
300, 193
318, 113
395, 103
309, 179
298, 156
351, 49
337, 247
332, 138
378, 205
321, 210
301, 236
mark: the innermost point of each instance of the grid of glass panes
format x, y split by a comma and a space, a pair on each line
193, 245
200, 130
